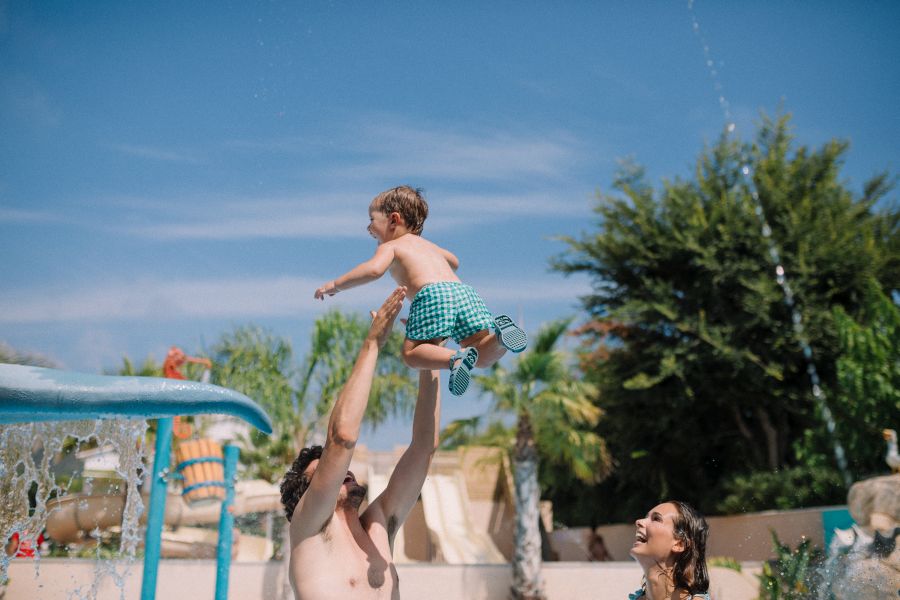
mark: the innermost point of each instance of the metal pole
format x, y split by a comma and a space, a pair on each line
226, 523
157, 510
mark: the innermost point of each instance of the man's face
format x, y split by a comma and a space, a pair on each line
351, 491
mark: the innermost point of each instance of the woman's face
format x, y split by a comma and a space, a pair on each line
654, 536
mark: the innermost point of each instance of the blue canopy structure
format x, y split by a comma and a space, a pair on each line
29, 394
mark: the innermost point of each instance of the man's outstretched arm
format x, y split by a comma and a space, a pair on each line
317, 504
406, 482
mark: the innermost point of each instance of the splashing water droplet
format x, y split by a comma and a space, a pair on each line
781, 279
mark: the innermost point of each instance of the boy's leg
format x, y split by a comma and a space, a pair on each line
430, 354
426, 354
489, 348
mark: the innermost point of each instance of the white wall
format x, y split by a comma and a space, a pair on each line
195, 579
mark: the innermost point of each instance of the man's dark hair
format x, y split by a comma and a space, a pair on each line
295, 481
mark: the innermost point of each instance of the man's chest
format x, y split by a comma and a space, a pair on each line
344, 568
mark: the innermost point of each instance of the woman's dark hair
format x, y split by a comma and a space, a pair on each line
690, 567
295, 481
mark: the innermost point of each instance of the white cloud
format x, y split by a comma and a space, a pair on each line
519, 172
282, 224
391, 147
160, 300
319, 216
16, 215
533, 290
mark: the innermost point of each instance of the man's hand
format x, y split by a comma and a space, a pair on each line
329, 289
383, 320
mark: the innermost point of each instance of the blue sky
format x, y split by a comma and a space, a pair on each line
171, 170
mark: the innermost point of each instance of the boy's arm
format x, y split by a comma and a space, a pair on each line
361, 274
451, 259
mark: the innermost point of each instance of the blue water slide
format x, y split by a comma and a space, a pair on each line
30, 394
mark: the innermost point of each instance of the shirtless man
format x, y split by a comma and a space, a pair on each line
336, 552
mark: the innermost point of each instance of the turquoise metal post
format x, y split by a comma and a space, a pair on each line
226, 523
157, 509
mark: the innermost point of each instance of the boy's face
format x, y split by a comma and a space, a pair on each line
379, 225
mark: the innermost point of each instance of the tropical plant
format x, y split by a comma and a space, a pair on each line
336, 340
554, 421
700, 367
793, 574
149, 368
261, 365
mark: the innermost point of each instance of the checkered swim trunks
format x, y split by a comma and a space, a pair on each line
447, 309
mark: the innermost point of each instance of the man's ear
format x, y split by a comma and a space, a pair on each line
395, 218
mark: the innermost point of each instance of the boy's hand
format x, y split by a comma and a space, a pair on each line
383, 320
329, 289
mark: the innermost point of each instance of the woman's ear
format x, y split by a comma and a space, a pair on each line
678, 545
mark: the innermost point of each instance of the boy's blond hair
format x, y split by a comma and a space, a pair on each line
407, 201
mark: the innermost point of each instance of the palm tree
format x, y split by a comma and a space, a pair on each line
336, 340
261, 365
555, 419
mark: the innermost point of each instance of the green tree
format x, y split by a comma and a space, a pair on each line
867, 398
261, 365
554, 421
691, 343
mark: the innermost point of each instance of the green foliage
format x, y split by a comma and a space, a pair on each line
726, 562
336, 340
690, 343
782, 490
149, 368
793, 574
554, 437
543, 389
868, 378
261, 365
469, 432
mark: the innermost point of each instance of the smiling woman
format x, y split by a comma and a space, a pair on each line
670, 546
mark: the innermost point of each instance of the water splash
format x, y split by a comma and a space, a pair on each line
781, 276
27, 452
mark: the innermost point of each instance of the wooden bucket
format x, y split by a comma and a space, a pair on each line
201, 466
